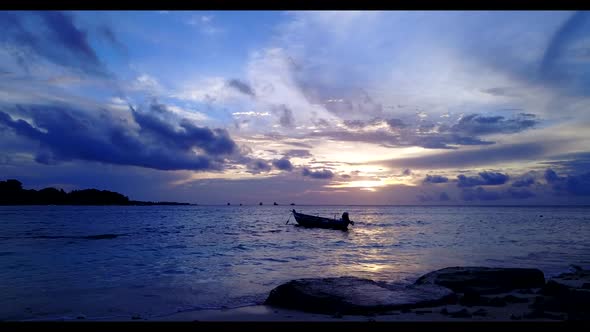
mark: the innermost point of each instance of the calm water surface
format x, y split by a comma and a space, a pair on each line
167, 259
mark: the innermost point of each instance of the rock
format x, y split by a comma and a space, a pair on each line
514, 299
463, 313
575, 279
484, 280
525, 291
536, 314
480, 312
351, 295
422, 312
473, 299
497, 302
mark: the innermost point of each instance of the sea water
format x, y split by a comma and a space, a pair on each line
56, 262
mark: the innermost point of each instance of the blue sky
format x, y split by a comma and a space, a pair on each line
321, 107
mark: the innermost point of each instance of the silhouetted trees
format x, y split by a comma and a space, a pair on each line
12, 193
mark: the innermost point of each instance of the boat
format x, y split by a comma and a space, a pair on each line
306, 220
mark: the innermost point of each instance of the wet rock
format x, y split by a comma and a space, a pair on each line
351, 295
525, 291
473, 299
497, 302
536, 314
484, 280
576, 279
463, 313
480, 312
422, 312
553, 288
514, 299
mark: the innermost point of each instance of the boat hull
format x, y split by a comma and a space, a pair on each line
320, 222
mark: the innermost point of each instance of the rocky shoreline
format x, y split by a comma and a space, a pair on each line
456, 292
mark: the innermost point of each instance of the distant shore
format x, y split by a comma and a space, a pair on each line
12, 193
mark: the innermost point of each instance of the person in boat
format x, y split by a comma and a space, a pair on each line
346, 218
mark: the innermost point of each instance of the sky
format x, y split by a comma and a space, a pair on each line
309, 107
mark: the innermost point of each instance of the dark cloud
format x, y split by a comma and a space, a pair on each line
483, 179
466, 131
551, 176
212, 141
407, 138
576, 185
524, 182
571, 163
475, 124
407, 172
298, 153
520, 193
258, 166
51, 35
479, 194
435, 179
242, 87
108, 34
286, 117
443, 197
479, 157
67, 134
323, 174
424, 198
501, 91
395, 123
283, 164
560, 40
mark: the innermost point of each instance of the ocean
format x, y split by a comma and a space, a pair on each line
116, 262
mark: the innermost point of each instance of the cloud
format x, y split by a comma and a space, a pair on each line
407, 172
484, 179
443, 197
576, 185
150, 141
298, 153
479, 194
258, 166
212, 141
242, 87
524, 182
51, 35
323, 174
566, 33
286, 117
476, 157
551, 176
283, 164
395, 123
435, 179
476, 124
520, 193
